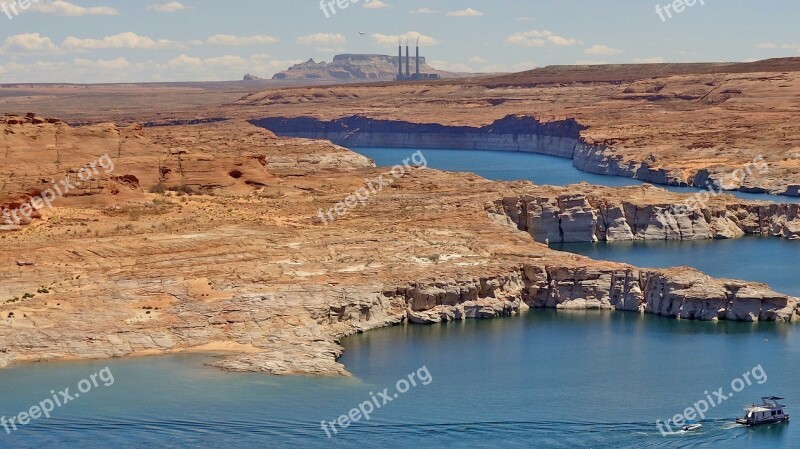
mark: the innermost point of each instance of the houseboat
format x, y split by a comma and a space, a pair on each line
768, 412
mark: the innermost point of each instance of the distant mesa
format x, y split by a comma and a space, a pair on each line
356, 67
250, 77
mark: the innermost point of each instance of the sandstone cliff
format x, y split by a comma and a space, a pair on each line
248, 270
586, 213
679, 293
676, 124
512, 133
560, 138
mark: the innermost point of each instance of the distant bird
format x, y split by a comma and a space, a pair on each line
363, 33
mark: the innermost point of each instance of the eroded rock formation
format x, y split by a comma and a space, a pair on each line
679, 293
586, 213
242, 265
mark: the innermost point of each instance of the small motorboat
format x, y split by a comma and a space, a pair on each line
768, 412
691, 426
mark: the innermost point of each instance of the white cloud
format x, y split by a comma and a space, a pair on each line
389, 40
423, 11
375, 4
477, 64
322, 39
602, 50
168, 7
228, 39
121, 40
494, 68
227, 61
469, 12
537, 38
46, 71
63, 8
182, 68
184, 61
653, 60
449, 66
330, 50
264, 64
219, 68
767, 45
100, 64
28, 42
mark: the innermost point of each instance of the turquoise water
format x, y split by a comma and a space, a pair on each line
769, 260
538, 168
544, 380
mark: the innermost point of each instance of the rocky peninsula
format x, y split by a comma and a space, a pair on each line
206, 237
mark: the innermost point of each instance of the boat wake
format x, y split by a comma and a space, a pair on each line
112, 432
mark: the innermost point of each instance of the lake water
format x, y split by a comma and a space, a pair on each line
546, 379
538, 168
769, 260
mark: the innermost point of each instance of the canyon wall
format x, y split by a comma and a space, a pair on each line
314, 318
247, 270
560, 138
512, 133
575, 216
680, 293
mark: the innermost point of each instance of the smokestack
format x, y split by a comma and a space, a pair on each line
400, 61
408, 61
417, 59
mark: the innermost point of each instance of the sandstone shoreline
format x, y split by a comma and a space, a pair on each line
206, 236
561, 138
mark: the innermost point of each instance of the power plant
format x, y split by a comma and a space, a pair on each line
408, 76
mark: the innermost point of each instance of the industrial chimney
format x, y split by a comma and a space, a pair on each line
417, 72
399, 61
408, 61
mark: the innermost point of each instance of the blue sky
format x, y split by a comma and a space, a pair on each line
188, 40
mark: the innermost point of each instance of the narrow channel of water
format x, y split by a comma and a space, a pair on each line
538, 168
762, 259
